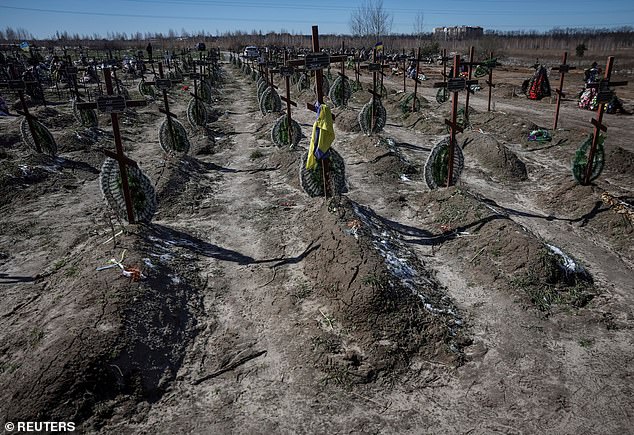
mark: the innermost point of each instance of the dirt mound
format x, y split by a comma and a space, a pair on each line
494, 249
619, 161
348, 120
582, 205
383, 158
384, 307
510, 128
93, 347
53, 118
494, 157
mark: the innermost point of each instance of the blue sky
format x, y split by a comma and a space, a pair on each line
44, 17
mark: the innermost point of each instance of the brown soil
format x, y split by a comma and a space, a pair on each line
392, 309
495, 158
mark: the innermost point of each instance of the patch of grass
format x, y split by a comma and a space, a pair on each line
586, 342
377, 281
71, 271
35, 336
8, 367
59, 264
326, 343
301, 293
257, 154
544, 295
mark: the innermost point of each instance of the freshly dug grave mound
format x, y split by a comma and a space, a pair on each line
382, 157
53, 118
89, 349
508, 127
348, 120
493, 249
619, 161
584, 207
496, 159
382, 308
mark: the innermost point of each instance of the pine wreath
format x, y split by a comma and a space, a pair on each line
279, 132
437, 164
147, 90
86, 117
365, 117
120, 89
270, 101
173, 137
442, 95
312, 181
41, 136
461, 120
580, 160
263, 86
205, 92
325, 85
407, 103
340, 91
141, 191
303, 83
356, 86
196, 112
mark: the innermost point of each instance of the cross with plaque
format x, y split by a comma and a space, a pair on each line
604, 95
114, 105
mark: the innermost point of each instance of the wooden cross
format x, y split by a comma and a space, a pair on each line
286, 72
454, 85
376, 68
115, 104
563, 69
604, 95
317, 62
490, 81
466, 102
415, 79
19, 85
164, 85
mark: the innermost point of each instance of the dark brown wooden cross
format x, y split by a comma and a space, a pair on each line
604, 95
19, 85
317, 61
470, 76
286, 72
415, 79
115, 104
455, 84
377, 69
563, 69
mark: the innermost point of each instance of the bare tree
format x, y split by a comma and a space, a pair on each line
370, 19
419, 25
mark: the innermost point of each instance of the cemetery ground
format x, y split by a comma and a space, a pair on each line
264, 310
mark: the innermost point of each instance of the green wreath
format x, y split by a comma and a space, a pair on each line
141, 191
147, 90
86, 117
196, 113
270, 101
407, 103
40, 137
173, 137
437, 165
340, 91
312, 180
365, 117
279, 132
580, 160
442, 95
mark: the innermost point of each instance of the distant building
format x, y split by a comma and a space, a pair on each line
458, 32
